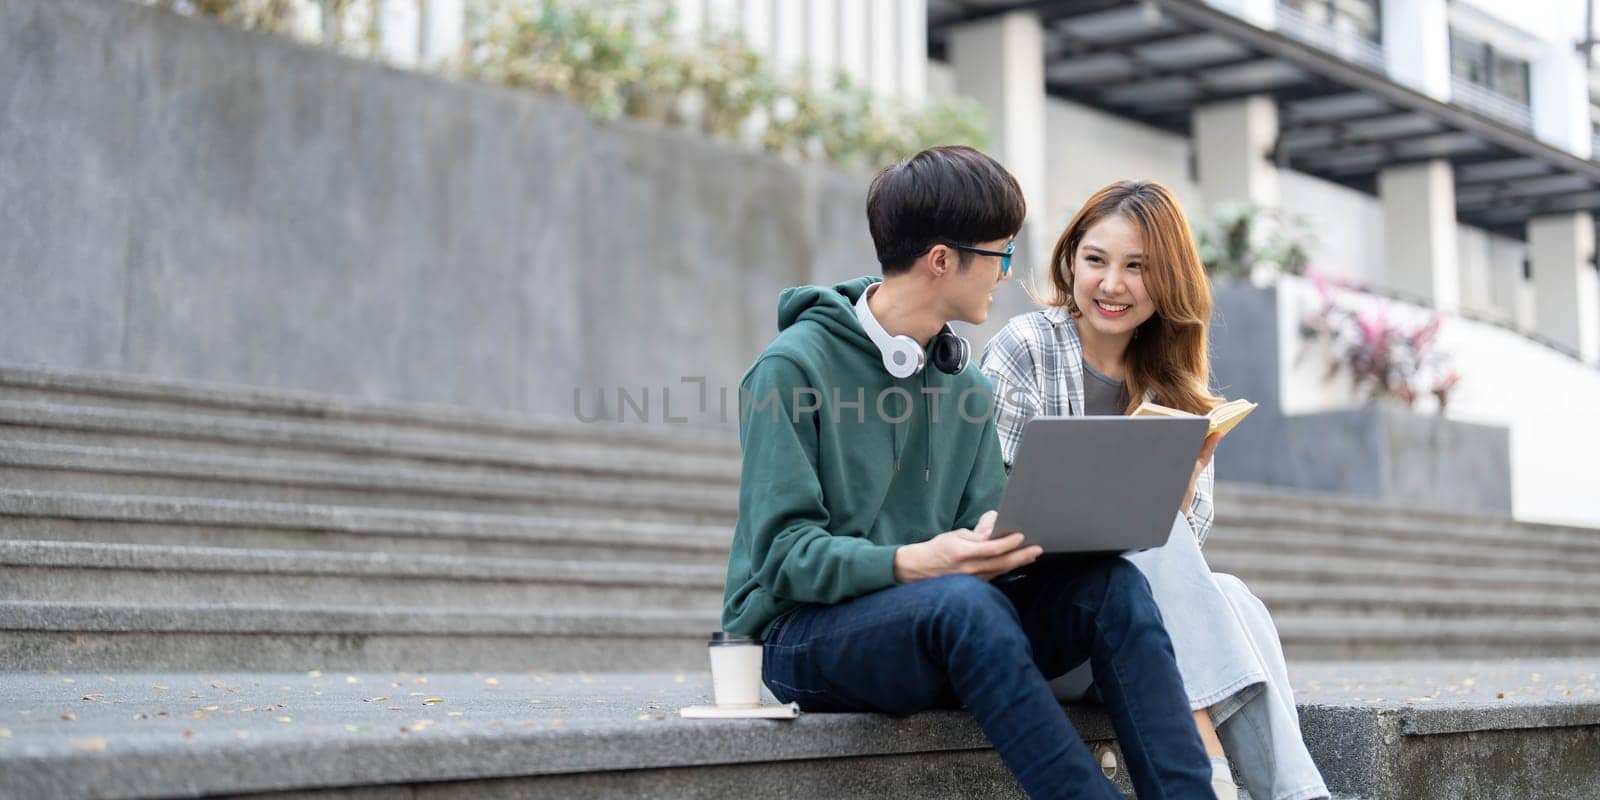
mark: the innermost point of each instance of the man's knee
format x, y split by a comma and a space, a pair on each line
972, 605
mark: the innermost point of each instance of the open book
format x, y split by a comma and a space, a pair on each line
1223, 417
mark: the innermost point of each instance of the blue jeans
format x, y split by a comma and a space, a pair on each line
958, 640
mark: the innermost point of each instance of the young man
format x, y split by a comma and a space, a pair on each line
863, 554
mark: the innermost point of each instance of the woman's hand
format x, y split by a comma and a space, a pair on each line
1200, 464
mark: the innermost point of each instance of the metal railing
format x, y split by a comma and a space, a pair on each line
1490, 103
1349, 45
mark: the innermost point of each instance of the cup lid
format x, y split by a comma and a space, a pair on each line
721, 638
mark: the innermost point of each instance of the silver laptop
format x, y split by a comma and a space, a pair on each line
1099, 484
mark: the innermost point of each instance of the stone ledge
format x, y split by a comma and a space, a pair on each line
242, 400
119, 466
377, 521
78, 617
181, 559
308, 731
559, 454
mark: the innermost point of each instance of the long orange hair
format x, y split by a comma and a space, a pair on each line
1168, 355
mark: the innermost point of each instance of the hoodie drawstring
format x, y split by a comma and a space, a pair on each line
927, 433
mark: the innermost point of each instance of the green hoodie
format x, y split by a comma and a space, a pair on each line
830, 487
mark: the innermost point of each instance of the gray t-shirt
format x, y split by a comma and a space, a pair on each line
1102, 396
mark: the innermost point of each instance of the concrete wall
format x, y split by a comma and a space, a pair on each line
1368, 450
1544, 398
180, 199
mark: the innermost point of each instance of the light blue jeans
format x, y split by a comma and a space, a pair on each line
1231, 662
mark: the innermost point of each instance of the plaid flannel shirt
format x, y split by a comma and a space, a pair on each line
1036, 366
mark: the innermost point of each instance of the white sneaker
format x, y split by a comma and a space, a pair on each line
1222, 779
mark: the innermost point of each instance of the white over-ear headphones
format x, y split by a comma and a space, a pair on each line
902, 356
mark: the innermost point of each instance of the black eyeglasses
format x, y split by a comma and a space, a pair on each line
1005, 255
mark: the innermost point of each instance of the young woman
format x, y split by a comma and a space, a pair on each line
1125, 320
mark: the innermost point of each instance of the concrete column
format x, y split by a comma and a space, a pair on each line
1416, 44
1565, 287
883, 46
442, 23
789, 45
822, 41
1000, 62
399, 32
1233, 144
1560, 98
1419, 223
1261, 13
852, 33
913, 68
755, 22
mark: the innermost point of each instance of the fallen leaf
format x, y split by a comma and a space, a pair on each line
433, 701
94, 745
351, 679
419, 681
355, 728
377, 699
644, 716
455, 713
210, 708
69, 717
158, 687
93, 696
188, 734
68, 680
491, 681
284, 719
316, 673
1499, 695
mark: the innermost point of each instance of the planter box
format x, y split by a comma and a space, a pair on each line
1377, 450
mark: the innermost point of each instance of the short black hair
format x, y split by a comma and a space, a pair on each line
953, 194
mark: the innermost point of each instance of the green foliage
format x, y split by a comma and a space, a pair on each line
624, 60
1244, 240
275, 16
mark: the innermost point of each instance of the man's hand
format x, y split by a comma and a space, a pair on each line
1207, 450
964, 552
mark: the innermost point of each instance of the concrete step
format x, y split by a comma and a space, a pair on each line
69, 468
1257, 567
1398, 636
206, 522
1420, 601
109, 390
123, 574
592, 735
1404, 731
187, 432
1308, 542
103, 636
1299, 508
1527, 541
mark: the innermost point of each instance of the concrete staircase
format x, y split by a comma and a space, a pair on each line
187, 530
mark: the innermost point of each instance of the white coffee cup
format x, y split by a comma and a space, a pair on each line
735, 670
